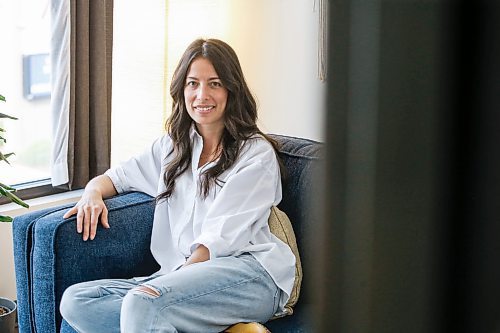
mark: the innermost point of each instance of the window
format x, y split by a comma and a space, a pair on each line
77, 147
25, 82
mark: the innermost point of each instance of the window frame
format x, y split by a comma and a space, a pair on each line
35, 189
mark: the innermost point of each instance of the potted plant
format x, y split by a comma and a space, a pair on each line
8, 313
8, 308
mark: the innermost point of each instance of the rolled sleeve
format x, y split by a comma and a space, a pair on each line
115, 178
142, 172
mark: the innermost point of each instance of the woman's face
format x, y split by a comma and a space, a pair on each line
205, 97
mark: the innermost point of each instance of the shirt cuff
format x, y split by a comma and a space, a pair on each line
206, 243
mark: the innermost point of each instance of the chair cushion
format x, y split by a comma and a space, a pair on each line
280, 226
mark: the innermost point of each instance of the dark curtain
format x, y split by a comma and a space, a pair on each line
89, 141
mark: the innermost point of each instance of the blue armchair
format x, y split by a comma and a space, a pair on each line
50, 255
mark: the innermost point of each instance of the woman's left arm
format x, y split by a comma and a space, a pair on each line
241, 207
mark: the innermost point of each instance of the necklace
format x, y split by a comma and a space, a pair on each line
208, 157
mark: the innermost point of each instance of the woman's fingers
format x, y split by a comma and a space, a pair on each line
79, 220
88, 213
104, 218
86, 222
95, 211
70, 212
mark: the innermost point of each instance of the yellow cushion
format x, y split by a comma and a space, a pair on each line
247, 328
281, 227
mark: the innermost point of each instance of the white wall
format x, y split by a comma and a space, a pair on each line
277, 42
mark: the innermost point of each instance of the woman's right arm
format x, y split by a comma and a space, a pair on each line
140, 173
91, 206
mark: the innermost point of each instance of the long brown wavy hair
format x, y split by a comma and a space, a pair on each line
240, 115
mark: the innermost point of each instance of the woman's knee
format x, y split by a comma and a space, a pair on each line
139, 310
76, 297
139, 297
148, 290
70, 302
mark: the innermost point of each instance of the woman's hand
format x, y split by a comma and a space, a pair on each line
88, 211
200, 254
91, 208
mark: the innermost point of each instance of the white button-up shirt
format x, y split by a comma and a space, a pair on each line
231, 220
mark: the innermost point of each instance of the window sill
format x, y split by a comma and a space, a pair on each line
14, 210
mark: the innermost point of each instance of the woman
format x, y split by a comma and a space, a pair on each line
215, 176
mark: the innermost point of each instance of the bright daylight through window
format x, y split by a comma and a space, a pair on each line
25, 83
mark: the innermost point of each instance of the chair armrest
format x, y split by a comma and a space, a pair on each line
22, 227
59, 257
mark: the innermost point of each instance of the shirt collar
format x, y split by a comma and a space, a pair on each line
193, 132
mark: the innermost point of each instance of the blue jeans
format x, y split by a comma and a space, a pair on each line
201, 297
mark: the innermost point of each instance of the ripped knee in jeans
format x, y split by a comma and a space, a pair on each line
149, 290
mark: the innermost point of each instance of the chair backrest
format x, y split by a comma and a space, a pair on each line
302, 160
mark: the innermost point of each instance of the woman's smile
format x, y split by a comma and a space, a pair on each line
204, 108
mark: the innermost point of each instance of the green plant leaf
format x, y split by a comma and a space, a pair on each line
14, 198
3, 192
7, 187
17, 200
2, 98
5, 218
3, 115
3, 139
5, 157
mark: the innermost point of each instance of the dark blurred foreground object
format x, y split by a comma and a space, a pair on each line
412, 194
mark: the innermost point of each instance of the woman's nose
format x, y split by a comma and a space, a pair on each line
202, 93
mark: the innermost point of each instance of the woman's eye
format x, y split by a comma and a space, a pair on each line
216, 84
191, 83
